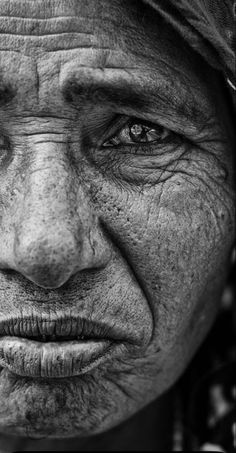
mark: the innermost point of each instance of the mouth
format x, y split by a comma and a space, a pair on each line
57, 348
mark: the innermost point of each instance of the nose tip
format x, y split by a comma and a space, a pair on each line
48, 262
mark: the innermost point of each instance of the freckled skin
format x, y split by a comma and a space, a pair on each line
156, 231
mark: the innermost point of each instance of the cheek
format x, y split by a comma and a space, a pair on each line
176, 237
191, 240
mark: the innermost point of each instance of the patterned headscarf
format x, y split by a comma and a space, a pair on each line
209, 28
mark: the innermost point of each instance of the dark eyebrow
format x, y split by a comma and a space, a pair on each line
160, 95
118, 94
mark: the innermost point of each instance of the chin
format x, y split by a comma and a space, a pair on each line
61, 408
89, 404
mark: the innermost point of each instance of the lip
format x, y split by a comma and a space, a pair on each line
53, 359
64, 325
23, 352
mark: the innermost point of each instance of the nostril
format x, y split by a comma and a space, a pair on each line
48, 277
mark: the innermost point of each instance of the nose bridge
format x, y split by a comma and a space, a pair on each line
51, 190
54, 222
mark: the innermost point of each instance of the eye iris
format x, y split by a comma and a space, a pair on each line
137, 132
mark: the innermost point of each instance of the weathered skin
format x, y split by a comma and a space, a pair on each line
156, 230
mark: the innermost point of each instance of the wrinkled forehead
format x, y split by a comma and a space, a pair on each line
40, 37
43, 41
52, 9
63, 27
31, 27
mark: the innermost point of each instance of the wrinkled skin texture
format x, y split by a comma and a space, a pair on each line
138, 240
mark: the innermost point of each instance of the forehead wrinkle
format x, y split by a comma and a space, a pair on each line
43, 9
40, 27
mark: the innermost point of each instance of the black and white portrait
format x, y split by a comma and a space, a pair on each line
117, 225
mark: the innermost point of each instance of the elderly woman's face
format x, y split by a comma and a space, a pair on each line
116, 212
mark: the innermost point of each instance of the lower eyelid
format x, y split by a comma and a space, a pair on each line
141, 148
174, 138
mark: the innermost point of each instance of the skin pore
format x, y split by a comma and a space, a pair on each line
136, 236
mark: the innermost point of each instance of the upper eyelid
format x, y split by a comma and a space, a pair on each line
134, 120
158, 117
145, 122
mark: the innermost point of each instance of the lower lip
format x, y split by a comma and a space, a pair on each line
53, 360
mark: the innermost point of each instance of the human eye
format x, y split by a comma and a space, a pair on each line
130, 142
140, 135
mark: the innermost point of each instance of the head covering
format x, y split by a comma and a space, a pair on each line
209, 28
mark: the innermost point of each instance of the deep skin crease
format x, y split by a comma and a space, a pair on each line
140, 240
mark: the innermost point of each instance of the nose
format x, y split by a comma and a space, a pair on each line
49, 258
56, 231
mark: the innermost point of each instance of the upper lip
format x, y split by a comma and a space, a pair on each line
57, 328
